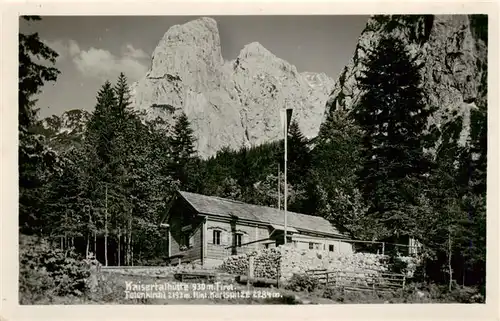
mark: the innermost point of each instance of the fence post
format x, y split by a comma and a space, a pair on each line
277, 278
278, 272
250, 270
251, 267
383, 248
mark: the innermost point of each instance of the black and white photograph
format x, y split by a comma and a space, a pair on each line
252, 159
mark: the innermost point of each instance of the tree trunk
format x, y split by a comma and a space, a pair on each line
95, 243
127, 246
87, 247
425, 269
450, 271
131, 251
106, 227
119, 246
130, 240
65, 232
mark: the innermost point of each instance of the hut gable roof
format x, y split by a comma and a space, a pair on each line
223, 207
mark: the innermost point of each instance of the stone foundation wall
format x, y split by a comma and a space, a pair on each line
266, 263
295, 261
286, 261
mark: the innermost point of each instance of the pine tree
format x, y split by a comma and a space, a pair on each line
122, 93
98, 148
67, 197
478, 150
336, 161
100, 129
299, 160
128, 152
183, 152
265, 192
243, 169
37, 162
475, 230
459, 193
32, 75
393, 116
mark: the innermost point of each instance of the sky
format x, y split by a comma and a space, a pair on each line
94, 49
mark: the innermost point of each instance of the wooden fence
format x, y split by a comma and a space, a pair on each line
363, 280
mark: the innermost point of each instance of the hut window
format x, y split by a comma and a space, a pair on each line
331, 248
238, 239
216, 237
314, 246
186, 240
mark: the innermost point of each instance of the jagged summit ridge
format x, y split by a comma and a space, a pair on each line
254, 49
231, 103
454, 57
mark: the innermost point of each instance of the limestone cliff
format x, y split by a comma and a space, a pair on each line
453, 49
236, 103
229, 103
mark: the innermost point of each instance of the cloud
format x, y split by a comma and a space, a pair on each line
73, 48
130, 51
101, 63
65, 48
57, 46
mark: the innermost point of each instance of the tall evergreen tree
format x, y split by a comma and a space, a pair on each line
459, 180
67, 196
33, 75
122, 93
183, 152
393, 116
101, 129
333, 177
299, 155
98, 149
37, 162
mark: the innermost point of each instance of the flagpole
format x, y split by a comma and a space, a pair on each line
286, 187
279, 189
286, 115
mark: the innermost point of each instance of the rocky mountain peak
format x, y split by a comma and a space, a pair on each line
232, 103
453, 51
255, 49
195, 46
236, 103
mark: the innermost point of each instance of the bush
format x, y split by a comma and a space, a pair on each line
440, 293
35, 285
398, 264
465, 294
302, 282
45, 272
334, 293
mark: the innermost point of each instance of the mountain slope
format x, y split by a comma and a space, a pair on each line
229, 103
236, 103
453, 49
